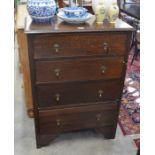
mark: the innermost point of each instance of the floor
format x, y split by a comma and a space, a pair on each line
79, 143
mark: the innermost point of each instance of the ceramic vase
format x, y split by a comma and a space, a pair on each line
113, 12
41, 10
100, 11
107, 3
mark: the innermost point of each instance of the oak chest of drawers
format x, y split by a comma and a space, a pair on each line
77, 74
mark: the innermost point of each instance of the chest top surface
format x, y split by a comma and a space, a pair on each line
59, 26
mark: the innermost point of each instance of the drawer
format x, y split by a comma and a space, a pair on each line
79, 69
62, 94
54, 46
85, 117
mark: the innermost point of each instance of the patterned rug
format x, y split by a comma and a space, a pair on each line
129, 117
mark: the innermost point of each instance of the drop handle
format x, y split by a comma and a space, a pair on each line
123, 62
103, 69
100, 93
98, 117
56, 47
105, 46
58, 122
57, 97
57, 72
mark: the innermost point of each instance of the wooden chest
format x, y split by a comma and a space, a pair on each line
77, 74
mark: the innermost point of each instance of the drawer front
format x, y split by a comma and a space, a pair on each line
53, 121
54, 46
78, 93
79, 69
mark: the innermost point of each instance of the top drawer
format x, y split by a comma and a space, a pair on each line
55, 46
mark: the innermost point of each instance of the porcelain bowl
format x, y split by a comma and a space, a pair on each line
74, 11
74, 20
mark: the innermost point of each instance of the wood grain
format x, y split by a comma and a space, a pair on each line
77, 93
87, 82
79, 69
25, 68
79, 45
69, 119
23, 56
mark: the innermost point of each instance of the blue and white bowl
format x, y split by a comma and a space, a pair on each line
41, 10
74, 11
74, 20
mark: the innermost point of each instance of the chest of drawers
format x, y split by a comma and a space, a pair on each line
77, 75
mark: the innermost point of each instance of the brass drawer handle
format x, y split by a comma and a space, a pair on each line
105, 47
98, 117
103, 69
57, 97
123, 62
100, 93
56, 47
58, 122
57, 72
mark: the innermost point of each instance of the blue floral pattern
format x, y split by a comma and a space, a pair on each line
75, 12
41, 10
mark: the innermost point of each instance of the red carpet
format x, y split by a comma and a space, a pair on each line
129, 118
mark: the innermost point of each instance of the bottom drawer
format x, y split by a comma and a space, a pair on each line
75, 118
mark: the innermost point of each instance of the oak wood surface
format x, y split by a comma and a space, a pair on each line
24, 65
61, 94
59, 26
79, 69
76, 78
80, 44
23, 56
69, 119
